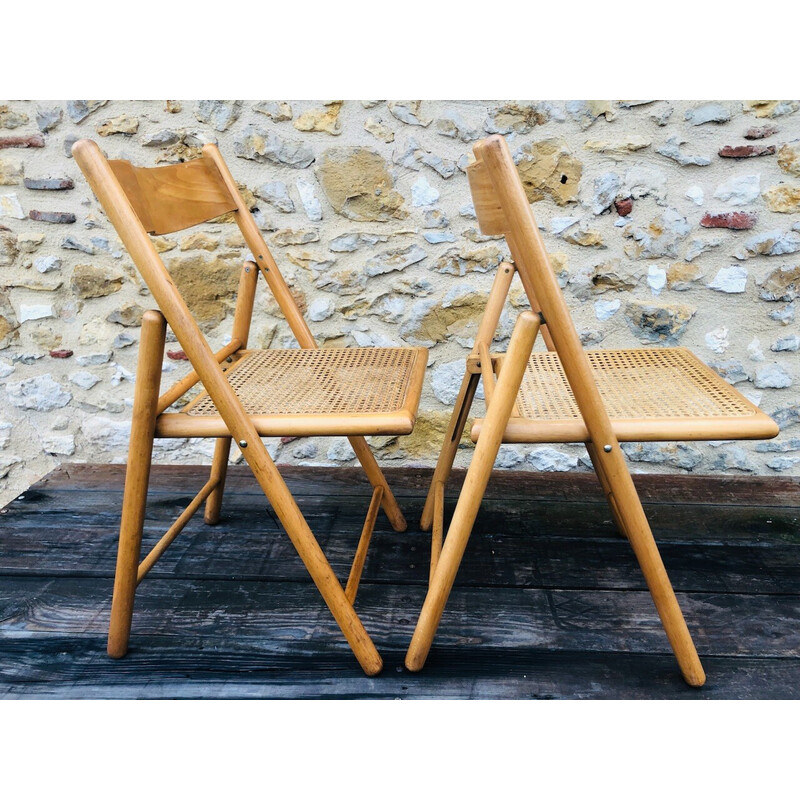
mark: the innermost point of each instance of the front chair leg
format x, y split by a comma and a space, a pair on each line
137, 476
603, 479
469, 500
637, 528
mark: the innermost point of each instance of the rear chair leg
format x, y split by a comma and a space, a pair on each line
248, 278
219, 470
376, 478
360, 557
437, 538
444, 466
137, 476
466, 394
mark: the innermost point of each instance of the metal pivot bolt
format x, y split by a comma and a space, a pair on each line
242, 443
607, 448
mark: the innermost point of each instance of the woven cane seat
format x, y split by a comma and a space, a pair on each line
650, 395
319, 391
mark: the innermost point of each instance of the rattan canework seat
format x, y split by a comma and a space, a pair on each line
650, 394
278, 388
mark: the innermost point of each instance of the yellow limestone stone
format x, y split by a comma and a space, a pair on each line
549, 169
789, 158
325, 119
358, 185
783, 198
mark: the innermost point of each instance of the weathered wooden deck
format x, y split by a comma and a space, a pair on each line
549, 601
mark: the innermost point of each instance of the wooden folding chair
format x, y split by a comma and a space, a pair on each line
598, 397
247, 393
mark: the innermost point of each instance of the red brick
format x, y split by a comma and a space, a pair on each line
60, 353
287, 439
735, 220
49, 184
34, 140
761, 133
56, 217
177, 355
747, 150
624, 207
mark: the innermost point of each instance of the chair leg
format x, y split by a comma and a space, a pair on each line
603, 479
360, 558
219, 470
137, 476
332, 593
437, 537
376, 478
644, 546
469, 500
444, 465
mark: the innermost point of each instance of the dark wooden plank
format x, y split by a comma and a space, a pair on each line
496, 555
55, 667
702, 523
549, 602
271, 615
413, 481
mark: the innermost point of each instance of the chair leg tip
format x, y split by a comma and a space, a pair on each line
117, 651
695, 680
374, 668
398, 524
414, 663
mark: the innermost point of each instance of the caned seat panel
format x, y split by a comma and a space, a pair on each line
308, 392
650, 395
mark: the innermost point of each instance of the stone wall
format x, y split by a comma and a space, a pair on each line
667, 222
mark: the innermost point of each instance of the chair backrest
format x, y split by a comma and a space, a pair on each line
169, 199
151, 199
159, 200
502, 207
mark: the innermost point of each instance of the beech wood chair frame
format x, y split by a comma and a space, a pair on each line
502, 208
138, 202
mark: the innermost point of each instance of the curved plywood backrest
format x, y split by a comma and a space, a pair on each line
505, 203
491, 219
169, 199
161, 200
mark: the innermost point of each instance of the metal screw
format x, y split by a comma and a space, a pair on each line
607, 448
242, 443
